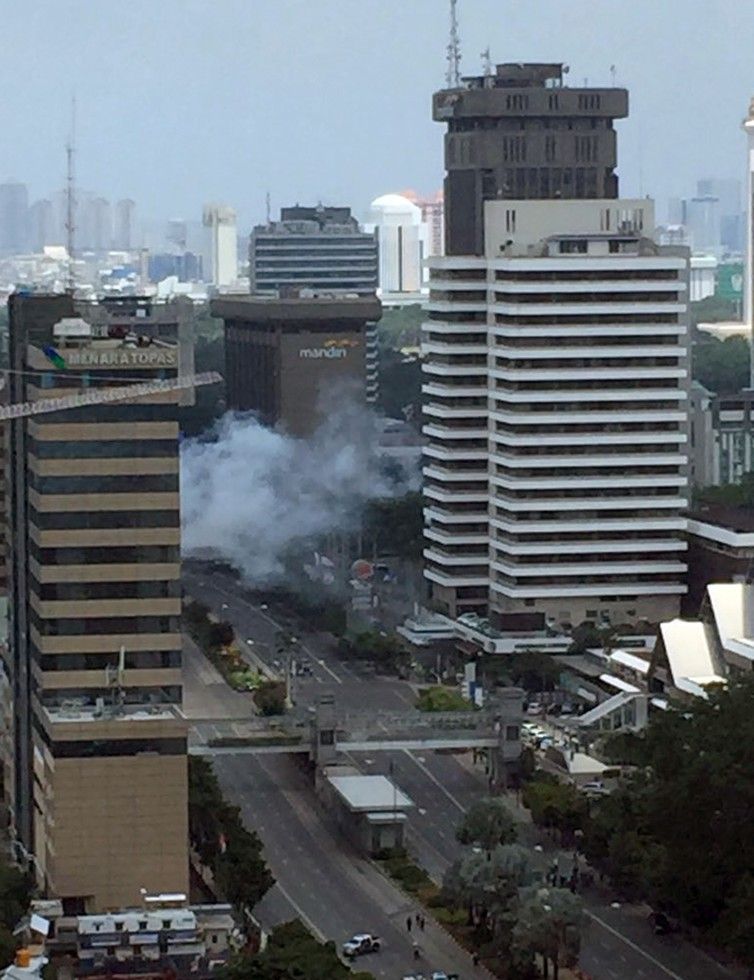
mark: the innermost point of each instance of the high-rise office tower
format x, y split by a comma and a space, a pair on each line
319, 248
14, 217
99, 783
285, 355
557, 363
221, 254
521, 134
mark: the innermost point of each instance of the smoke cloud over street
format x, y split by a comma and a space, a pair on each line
252, 493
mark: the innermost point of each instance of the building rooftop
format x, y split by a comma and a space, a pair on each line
630, 660
369, 794
730, 517
77, 713
328, 308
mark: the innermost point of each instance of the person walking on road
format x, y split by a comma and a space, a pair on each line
475, 959
422, 921
408, 924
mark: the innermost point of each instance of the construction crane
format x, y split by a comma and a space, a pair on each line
101, 396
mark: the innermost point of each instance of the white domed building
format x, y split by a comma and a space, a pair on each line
403, 243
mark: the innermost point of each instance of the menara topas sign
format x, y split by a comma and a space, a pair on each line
122, 357
333, 348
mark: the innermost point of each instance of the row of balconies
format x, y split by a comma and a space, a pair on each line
628, 588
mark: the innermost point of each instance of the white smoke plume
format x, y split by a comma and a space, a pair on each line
252, 493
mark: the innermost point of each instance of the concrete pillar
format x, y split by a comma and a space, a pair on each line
325, 733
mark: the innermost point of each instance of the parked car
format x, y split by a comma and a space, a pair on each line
534, 708
361, 944
595, 788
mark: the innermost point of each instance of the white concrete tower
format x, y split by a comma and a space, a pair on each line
749, 283
557, 366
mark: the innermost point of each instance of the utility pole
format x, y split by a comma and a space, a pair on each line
70, 200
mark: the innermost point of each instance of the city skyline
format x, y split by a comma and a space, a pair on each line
242, 75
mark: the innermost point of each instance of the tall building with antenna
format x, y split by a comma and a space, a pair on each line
556, 359
519, 133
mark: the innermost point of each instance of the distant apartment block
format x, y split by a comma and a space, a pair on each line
318, 248
14, 218
221, 256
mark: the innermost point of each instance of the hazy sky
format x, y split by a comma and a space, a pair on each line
185, 101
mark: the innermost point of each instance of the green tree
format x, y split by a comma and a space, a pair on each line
672, 833
16, 891
487, 885
440, 698
734, 927
221, 635
400, 327
488, 823
395, 526
240, 869
534, 671
270, 698
549, 922
292, 953
721, 366
400, 392
558, 806
713, 309
382, 649
223, 844
729, 494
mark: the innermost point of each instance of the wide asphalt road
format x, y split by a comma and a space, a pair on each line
257, 633
320, 878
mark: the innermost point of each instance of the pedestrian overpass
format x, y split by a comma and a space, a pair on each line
324, 731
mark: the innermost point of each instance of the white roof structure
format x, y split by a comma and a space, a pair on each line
369, 794
581, 764
596, 714
732, 605
617, 682
398, 205
630, 660
690, 656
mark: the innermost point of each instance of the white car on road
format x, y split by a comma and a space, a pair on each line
360, 944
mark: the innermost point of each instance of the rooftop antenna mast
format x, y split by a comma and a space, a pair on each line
70, 199
267, 206
453, 73
487, 63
